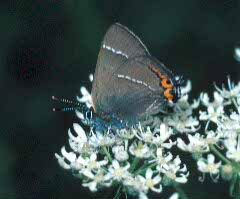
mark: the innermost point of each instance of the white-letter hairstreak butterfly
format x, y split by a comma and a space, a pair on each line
129, 83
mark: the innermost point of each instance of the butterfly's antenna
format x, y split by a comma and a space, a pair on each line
76, 105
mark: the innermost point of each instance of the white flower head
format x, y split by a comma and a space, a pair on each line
171, 171
91, 162
140, 149
233, 151
212, 113
100, 139
174, 196
126, 133
187, 88
95, 179
149, 182
146, 136
161, 158
86, 97
79, 143
196, 144
212, 137
208, 166
232, 92
183, 123
218, 100
117, 172
120, 153
71, 157
162, 134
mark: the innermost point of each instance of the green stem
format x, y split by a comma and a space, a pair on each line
180, 191
134, 164
142, 171
118, 194
107, 153
141, 168
219, 154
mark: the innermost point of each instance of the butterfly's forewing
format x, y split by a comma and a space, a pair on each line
118, 46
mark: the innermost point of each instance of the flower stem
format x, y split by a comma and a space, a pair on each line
180, 191
143, 170
118, 194
134, 164
219, 154
107, 153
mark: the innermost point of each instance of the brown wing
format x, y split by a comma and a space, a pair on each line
136, 89
118, 46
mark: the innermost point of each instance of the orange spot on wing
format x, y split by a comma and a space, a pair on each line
164, 83
168, 95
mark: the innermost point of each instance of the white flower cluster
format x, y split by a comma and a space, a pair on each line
220, 139
140, 158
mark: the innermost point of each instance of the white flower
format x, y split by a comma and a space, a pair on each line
96, 179
100, 139
126, 133
174, 196
226, 123
230, 144
185, 106
149, 182
170, 170
212, 137
234, 91
80, 143
183, 123
79, 163
71, 157
208, 166
163, 134
218, 100
134, 185
140, 150
235, 116
146, 136
187, 88
62, 162
116, 172
120, 153
196, 144
233, 151
161, 159
92, 163
86, 97
211, 114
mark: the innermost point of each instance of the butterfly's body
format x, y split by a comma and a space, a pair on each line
129, 83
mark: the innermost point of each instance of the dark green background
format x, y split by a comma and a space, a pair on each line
49, 47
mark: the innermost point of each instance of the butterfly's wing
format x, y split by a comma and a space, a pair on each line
118, 46
136, 90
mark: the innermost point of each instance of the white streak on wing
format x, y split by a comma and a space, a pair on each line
135, 81
121, 76
151, 105
114, 50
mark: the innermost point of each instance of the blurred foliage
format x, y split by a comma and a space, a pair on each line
49, 47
